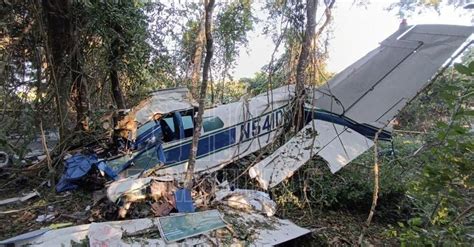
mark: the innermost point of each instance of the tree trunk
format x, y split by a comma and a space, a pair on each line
212, 87
311, 6
200, 38
79, 95
58, 24
209, 4
224, 73
114, 79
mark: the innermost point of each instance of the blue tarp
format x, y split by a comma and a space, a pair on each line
77, 167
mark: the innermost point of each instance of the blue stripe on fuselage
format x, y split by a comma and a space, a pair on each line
206, 145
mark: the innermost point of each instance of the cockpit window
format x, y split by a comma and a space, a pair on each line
211, 123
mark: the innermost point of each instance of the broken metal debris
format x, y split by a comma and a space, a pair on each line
20, 199
3, 159
327, 141
24, 237
248, 200
104, 235
177, 227
266, 231
184, 201
127, 191
45, 218
206, 226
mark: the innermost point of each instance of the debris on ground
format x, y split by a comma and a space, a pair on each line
158, 212
184, 201
4, 159
45, 218
204, 228
182, 226
77, 167
26, 197
248, 200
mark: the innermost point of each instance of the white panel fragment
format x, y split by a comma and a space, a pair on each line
344, 149
335, 143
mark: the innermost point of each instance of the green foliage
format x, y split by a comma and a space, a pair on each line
126, 24
232, 26
408, 7
352, 187
258, 83
444, 183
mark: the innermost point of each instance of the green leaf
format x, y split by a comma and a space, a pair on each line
471, 66
462, 69
415, 221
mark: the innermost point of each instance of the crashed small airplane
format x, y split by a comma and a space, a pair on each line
342, 116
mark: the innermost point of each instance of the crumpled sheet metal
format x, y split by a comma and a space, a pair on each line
119, 188
162, 102
269, 231
337, 144
78, 234
248, 200
104, 235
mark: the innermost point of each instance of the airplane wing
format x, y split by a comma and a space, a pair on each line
363, 98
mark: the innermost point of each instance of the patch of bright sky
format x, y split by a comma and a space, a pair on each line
357, 30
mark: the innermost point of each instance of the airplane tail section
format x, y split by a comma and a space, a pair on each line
363, 98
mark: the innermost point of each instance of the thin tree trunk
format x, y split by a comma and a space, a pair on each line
38, 62
114, 78
224, 73
209, 6
197, 58
375, 194
311, 6
79, 86
79, 94
212, 87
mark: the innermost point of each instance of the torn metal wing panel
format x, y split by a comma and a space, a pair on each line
337, 144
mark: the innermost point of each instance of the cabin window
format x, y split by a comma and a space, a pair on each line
188, 126
167, 126
170, 123
211, 123
145, 127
